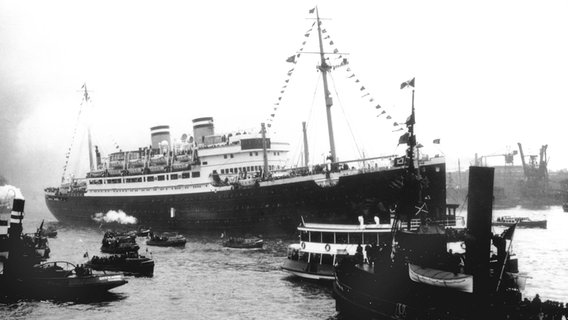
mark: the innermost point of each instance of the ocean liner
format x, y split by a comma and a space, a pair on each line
214, 181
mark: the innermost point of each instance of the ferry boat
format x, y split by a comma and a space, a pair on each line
322, 246
522, 222
238, 180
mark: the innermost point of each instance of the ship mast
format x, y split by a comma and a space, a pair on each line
325, 68
86, 99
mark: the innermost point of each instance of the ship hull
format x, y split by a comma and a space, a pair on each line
276, 207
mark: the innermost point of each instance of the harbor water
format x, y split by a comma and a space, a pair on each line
207, 281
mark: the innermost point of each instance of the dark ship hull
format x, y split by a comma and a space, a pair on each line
279, 206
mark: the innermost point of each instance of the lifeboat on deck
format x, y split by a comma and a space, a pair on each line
441, 278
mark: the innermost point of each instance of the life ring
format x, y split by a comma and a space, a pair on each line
327, 247
462, 245
303, 245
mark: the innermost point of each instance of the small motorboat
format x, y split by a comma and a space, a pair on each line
117, 243
254, 243
166, 240
64, 279
130, 263
525, 222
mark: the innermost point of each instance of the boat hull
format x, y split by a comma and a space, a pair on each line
524, 224
274, 207
309, 271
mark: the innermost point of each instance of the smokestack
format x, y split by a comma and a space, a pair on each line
16, 218
203, 127
159, 134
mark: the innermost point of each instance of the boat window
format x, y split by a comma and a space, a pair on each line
327, 237
304, 256
315, 257
327, 259
174, 177
204, 163
315, 236
161, 178
195, 174
355, 238
150, 179
304, 236
341, 237
185, 175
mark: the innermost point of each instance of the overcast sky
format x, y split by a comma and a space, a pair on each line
488, 74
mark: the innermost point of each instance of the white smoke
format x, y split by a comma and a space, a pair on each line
8, 193
114, 216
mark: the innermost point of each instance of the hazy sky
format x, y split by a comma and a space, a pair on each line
488, 74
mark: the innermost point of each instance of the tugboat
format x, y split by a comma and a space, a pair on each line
521, 222
166, 240
117, 243
23, 275
130, 263
251, 243
420, 278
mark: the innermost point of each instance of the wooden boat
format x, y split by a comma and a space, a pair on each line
254, 243
129, 263
507, 221
441, 278
61, 278
116, 243
166, 240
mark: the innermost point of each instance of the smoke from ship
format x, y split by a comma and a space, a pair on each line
114, 216
9, 193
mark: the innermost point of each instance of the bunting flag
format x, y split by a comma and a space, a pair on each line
366, 94
335, 51
409, 83
362, 88
291, 59
312, 10
351, 76
378, 106
331, 43
436, 141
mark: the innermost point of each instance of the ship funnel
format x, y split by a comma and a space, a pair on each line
16, 218
160, 134
203, 127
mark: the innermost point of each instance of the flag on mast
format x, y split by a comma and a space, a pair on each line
407, 83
